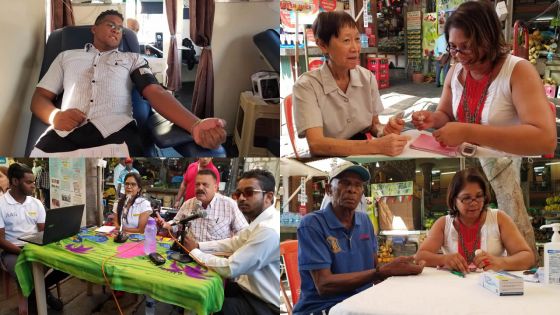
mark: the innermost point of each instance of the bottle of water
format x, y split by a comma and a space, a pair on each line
150, 237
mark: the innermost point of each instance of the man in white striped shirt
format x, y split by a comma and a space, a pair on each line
223, 219
96, 106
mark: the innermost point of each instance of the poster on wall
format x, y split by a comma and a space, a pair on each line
444, 9
429, 33
392, 189
306, 10
68, 181
414, 36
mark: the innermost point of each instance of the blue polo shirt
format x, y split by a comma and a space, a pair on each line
323, 242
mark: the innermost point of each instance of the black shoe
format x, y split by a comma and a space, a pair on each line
54, 303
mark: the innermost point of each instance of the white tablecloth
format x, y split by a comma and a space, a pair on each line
411, 153
441, 292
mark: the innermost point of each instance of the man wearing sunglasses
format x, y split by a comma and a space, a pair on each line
223, 218
338, 249
96, 107
255, 262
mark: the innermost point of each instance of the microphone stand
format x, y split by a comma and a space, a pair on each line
180, 239
180, 255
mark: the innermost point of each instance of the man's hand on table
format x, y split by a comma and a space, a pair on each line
402, 266
451, 134
190, 243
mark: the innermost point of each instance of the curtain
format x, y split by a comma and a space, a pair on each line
61, 14
202, 22
173, 64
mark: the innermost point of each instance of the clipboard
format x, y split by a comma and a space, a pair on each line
428, 143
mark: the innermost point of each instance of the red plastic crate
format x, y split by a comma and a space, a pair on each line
377, 63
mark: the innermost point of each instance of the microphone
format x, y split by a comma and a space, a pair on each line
195, 215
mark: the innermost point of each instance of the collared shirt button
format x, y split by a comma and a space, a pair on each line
92, 81
346, 100
348, 120
91, 101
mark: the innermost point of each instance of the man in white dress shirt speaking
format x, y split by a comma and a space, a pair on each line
255, 262
223, 218
96, 107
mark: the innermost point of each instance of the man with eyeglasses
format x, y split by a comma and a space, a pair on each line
223, 218
96, 107
337, 254
255, 262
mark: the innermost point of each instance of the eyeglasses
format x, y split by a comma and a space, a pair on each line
247, 192
130, 184
469, 200
113, 26
455, 50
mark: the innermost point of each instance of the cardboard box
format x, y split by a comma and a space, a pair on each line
502, 283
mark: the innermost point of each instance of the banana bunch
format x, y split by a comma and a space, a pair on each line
553, 200
555, 207
384, 254
535, 45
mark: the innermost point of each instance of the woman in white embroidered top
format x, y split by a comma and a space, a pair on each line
470, 226
490, 97
337, 105
132, 208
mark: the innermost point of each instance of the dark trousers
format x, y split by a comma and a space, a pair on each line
240, 302
439, 68
88, 136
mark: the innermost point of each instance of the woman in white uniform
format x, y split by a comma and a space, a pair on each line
470, 226
336, 106
132, 209
490, 98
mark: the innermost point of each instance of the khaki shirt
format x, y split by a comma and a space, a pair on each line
319, 102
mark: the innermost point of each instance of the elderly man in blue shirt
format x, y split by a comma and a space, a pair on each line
337, 247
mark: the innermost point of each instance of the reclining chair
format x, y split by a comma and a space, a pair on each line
155, 130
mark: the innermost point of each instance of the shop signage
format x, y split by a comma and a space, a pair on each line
414, 20
392, 189
328, 5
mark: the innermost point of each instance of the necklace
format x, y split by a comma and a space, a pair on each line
470, 91
469, 254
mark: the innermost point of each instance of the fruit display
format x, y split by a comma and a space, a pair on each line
385, 253
540, 42
428, 222
535, 45
552, 204
550, 81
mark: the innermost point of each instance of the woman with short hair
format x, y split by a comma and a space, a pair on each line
337, 105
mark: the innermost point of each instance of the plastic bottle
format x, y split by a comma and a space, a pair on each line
552, 256
150, 237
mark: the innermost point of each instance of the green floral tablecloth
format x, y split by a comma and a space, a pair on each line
187, 285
